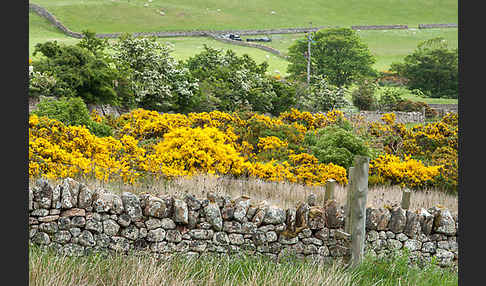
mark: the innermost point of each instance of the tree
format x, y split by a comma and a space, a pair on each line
432, 68
91, 43
229, 82
157, 81
338, 54
78, 72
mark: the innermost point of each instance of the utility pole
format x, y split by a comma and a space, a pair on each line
309, 39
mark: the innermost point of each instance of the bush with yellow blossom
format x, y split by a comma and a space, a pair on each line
150, 144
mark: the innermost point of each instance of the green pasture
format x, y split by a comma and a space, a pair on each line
108, 16
386, 45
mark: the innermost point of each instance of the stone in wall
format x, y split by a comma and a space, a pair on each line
377, 219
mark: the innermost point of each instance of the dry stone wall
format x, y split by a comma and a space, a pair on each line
77, 220
375, 116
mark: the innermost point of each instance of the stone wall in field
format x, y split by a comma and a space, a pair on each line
76, 220
431, 26
375, 116
443, 109
46, 14
248, 44
379, 27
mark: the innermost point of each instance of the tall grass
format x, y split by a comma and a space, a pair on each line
48, 268
282, 194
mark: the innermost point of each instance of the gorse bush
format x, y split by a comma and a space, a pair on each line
147, 143
423, 146
297, 147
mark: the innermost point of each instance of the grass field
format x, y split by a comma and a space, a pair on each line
107, 16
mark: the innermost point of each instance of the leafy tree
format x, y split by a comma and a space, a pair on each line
285, 95
431, 68
156, 80
338, 54
229, 82
77, 72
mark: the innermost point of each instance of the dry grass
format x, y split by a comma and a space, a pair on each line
282, 194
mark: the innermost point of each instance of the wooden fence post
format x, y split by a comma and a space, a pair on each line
358, 208
406, 199
330, 186
349, 195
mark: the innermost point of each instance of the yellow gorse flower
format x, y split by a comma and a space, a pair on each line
148, 143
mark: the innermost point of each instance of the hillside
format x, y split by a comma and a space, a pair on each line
108, 16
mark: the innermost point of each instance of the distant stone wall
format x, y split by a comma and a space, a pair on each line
379, 27
401, 116
429, 26
443, 109
76, 220
247, 44
44, 13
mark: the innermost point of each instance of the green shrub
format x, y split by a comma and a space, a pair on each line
285, 96
71, 111
336, 145
389, 97
323, 97
364, 96
408, 106
41, 84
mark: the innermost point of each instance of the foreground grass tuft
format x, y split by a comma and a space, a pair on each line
48, 268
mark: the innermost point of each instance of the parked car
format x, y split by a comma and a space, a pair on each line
264, 39
235, 37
